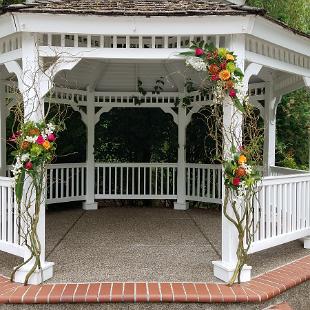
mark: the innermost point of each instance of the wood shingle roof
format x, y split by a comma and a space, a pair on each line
136, 7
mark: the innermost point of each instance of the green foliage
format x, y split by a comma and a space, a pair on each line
293, 123
294, 13
136, 135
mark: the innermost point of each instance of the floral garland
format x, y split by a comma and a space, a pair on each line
35, 145
240, 174
221, 69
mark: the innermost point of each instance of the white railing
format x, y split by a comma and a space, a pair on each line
135, 181
282, 211
204, 183
281, 171
66, 182
9, 228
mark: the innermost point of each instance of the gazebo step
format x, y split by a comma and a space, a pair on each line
259, 289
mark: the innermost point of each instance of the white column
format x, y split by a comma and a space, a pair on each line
90, 203
232, 135
270, 130
181, 203
3, 116
33, 110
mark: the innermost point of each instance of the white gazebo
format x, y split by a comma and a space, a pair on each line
90, 54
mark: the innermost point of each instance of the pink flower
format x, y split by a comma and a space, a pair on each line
232, 93
199, 52
236, 181
40, 140
215, 77
28, 165
51, 137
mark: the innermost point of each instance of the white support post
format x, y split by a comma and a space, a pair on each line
232, 135
181, 203
3, 116
270, 129
307, 242
90, 203
30, 87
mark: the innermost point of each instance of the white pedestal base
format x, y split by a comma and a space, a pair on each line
38, 277
307, 243
224, 272
181, 206
90, 206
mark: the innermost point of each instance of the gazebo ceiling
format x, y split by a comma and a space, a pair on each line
121, 75
136, 7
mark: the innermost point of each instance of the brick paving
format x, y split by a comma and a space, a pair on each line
259, 289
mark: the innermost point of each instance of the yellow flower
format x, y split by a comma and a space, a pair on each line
242, 160
46, 145
222, 51
230, 57
224, 75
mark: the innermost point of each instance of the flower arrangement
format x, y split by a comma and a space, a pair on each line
35, 145
221, 69
240, 174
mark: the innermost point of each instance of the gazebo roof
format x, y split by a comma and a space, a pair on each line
136, 7
142, 8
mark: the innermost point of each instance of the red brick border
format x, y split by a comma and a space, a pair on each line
259, 289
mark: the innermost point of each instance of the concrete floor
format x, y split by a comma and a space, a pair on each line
141, 244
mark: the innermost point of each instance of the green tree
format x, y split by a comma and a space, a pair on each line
294, 13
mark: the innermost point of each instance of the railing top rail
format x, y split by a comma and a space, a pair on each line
7, 182
136, 165
289, 170
214, 166
292, 178
66, 165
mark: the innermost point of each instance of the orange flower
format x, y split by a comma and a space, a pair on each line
230, 84
240, 172
46, 145
224, 75
230, 57
242, 160
25, 145
34, 132
214, 69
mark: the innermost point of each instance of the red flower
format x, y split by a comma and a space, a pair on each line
28, 165
223, 65
232, 93
209, 55
236, 181
51, 137
199, 52
40, 140
215, 77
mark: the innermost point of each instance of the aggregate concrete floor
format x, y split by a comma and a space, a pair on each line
141, 244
